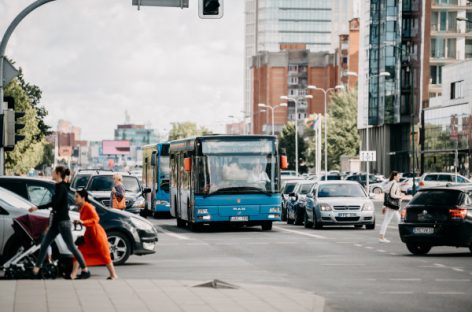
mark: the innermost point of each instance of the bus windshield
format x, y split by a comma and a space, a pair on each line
237, 167
164, 169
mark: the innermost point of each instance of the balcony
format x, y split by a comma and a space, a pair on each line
452, 28
451, 4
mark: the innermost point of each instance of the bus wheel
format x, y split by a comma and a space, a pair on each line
181, 223
267, 226
194, 227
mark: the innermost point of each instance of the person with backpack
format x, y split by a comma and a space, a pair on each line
392, 203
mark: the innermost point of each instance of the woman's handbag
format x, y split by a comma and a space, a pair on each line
390, 202
80, 240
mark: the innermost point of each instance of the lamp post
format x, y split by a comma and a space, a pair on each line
325, 92
272, 108
295, 100
413, 109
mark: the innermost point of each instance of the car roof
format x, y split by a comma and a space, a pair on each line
338, 182
26, 178
463, 187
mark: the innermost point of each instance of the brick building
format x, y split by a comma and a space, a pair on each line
348, 55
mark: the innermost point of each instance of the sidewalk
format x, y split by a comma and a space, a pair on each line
149, 295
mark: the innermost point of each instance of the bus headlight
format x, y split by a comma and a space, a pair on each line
274, 210
202, 211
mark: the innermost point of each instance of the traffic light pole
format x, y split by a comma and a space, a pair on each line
3, 45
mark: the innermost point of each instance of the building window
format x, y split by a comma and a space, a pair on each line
436, 74
457, 90
344, 61
468, 48
451, 48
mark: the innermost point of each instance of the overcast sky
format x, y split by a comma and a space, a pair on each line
94, 59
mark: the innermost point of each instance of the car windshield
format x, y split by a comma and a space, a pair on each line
105, 184
305, 189
10, 199
437, 198
80, 181
289, 188
341, 190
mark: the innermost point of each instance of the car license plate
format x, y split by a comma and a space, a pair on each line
239, 219
423, 230
347, 215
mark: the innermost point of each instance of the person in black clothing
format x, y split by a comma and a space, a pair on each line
60, 223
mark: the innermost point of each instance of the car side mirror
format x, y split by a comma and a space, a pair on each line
147, 190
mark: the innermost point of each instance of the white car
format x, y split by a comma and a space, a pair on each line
13, 206
441, 179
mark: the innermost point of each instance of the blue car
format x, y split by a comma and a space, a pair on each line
297, 202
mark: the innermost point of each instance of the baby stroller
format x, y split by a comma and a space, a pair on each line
28, 231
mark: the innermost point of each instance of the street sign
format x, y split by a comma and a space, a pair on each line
370, 156
163, 3
9, 71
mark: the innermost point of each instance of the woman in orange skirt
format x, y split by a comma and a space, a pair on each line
95, 247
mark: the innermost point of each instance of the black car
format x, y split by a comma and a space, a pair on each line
100, 182
361, 178
438, 217
128, 234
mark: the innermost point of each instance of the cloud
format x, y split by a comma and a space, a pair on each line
95, 59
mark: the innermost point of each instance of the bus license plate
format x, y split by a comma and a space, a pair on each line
239, 219
423, 230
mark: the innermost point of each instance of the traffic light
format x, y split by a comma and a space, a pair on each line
11, 125
210, 8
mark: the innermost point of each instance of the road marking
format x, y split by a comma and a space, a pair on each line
446, 293
175, 235
257, 243
343, 264
369, 247
381, 250
358, 245
440, 265
458, 269
396, 292
343, 242
406, 279
393, 254
465, 280
301, 233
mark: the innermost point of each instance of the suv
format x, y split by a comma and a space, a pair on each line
440, 179
361, 178
82, 177
99, 185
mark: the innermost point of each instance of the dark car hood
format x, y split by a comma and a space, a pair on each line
106, 194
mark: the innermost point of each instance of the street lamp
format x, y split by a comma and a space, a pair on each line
261, 105
413, 110
295, 100
325, 92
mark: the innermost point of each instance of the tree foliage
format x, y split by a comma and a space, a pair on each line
181, 130
28, 153
287, 142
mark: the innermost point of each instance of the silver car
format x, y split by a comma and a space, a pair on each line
13, 206
339, 203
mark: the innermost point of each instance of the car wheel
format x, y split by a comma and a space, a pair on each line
377, 190
181, 223
317, 225
418, 249
306, 223
267, 226
194, 227
120, 247
296, 218
284, 214
370, 226
470, 248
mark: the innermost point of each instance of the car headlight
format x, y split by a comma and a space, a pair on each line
162, 202
325, 207
142, 224
368, 207
274, 210
202, 211
140, 202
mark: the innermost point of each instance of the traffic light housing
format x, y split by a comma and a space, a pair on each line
12, 125
210, 8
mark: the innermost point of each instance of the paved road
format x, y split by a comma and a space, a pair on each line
348, 266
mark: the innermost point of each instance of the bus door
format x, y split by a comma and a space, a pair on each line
153, 178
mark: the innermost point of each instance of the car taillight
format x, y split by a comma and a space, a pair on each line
421, 183
457, 213
403, 213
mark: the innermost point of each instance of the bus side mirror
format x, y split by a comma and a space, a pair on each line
154, 159
283, 162
188, 164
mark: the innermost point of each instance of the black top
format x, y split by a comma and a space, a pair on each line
60, 207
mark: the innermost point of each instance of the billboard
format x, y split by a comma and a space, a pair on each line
110, 147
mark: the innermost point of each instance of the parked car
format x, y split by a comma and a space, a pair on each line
339, 203
406, 185
378, 188
82, 177
100, 184
440, 179
13, 206
296, 202
440, 216
361, 178
128, 234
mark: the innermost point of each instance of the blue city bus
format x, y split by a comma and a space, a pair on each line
156, 176
225, 179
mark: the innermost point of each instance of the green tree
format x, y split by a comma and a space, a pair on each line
181, 130
28, 153
287, 142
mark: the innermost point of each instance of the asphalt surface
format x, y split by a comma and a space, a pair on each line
347, 266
